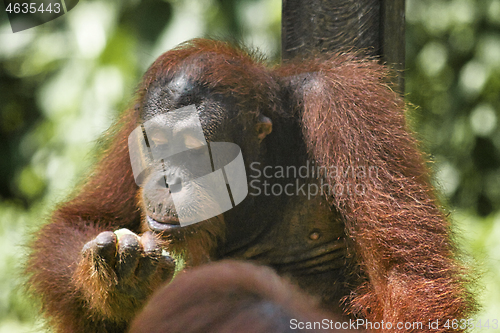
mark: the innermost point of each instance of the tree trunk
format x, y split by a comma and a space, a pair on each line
376, 27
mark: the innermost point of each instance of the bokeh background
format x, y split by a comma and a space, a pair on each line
63, 83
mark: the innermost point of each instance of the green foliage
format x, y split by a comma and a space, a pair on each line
453, 75
63, 83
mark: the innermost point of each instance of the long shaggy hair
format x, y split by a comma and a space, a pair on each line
350, 119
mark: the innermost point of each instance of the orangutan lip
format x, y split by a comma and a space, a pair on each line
170, 224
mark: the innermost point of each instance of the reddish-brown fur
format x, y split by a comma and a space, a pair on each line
401, 236
350, 117
230, 296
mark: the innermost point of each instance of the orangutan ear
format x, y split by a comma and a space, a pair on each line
263, 127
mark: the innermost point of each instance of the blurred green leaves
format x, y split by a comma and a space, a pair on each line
453, 77
62, 84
